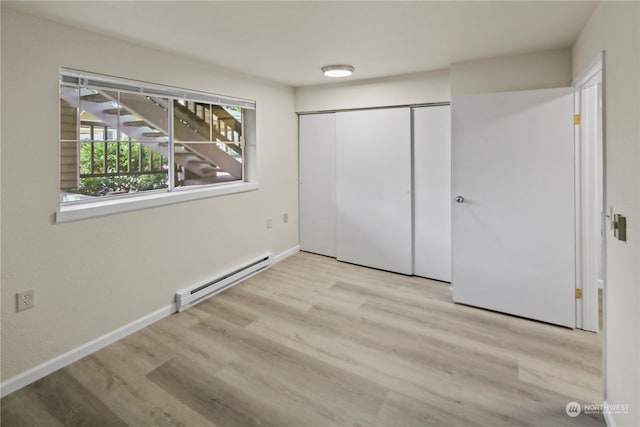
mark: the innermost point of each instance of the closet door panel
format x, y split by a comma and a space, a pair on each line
373, 188
317, 183
432, 192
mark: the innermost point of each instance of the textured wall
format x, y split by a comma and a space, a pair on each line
614, 28
96, 275
427, 87
539, 70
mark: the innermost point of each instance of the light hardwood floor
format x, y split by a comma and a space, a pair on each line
316, 342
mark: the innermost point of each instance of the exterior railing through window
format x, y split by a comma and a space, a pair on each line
119, 136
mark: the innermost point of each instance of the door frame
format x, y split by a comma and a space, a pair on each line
587, 247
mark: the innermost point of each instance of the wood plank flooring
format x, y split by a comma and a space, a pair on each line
316, 342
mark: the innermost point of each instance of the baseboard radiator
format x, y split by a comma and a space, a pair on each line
191, 296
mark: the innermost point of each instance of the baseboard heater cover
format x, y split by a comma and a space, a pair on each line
195, 294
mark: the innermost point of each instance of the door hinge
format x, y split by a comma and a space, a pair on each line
576, 119
578, 293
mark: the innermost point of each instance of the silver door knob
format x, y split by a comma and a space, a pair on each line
459, 199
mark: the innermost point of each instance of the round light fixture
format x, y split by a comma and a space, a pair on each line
337, 70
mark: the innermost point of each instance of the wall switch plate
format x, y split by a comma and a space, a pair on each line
269, 223
25, 300
285, 218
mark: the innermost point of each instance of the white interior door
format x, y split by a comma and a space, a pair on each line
373, 193
432, 192
513, 236
317, 133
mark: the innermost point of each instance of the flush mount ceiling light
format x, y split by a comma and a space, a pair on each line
337, 70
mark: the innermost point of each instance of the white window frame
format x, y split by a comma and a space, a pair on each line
78, 210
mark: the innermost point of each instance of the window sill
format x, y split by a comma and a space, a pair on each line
80, 211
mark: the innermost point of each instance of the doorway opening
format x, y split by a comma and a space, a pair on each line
589, 151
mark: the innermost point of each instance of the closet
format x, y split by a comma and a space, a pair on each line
375, 188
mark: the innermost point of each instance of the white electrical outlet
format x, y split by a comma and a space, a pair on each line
269, 223
285, 218
26, 299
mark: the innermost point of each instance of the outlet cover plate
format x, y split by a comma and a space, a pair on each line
25, 300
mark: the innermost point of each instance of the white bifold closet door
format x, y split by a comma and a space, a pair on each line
373, 192
317, 133
432, 192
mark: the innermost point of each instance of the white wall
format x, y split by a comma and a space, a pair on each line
421, 88
613, 27
540, 70
537, 70
93, 276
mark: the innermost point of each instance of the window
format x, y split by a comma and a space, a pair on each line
122, 138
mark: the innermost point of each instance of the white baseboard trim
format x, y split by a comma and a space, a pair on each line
50, 366
286, 254
608, 416
21, 380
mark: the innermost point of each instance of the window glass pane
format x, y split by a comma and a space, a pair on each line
69, 113
227, 123
201, 163
85, 164
118, 140
99, 133
85, 132
191, 121
68, 136
207, 147
144, 118
112, 161
98, 108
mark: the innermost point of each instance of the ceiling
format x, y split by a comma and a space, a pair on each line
289, 41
